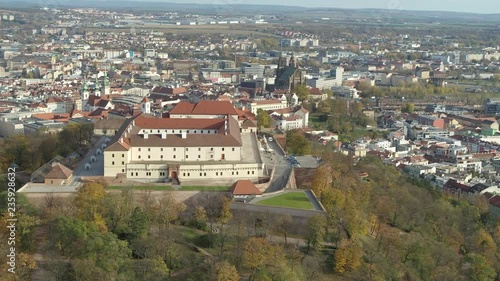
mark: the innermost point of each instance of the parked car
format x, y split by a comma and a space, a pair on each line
270, 139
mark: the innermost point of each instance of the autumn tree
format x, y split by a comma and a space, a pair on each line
348, 256
200, 217
88, 203
226, 272
321, 181
167, 211
223, 218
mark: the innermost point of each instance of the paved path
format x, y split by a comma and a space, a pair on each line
281, 165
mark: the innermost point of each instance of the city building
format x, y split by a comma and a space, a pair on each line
200, 141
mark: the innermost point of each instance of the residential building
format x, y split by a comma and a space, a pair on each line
290, 118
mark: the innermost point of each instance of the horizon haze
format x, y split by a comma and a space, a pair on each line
478, 6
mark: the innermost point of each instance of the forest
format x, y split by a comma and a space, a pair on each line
384, 227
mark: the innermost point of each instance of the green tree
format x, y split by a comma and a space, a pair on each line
138, 224
296, 143
316, 232
479, 268
153, 268
70, 235
263, 119
408, 108
302, 92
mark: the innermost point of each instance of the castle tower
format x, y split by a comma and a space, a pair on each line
293, 61
84, 94
105, 89
146, 105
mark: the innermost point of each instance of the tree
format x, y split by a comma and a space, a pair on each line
226, 272
348, 256
408, 108
70, 235
302, 92
88, 203
296, 143
168, 211
316, 232
479, 269
259, 254
106, 250
153, 268
321, 181
224, 217
283, 224
138, 224
200, 217
263, 119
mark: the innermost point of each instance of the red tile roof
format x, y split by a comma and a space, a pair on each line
178, 123
205, 107
59, 171
244, 187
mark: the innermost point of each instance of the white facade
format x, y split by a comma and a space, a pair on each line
267, 105
184, 146
57, 107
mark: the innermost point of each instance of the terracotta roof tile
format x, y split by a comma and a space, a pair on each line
244, 187
59, 171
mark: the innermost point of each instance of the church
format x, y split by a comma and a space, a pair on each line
288, 75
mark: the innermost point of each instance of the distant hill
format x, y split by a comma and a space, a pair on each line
249, 9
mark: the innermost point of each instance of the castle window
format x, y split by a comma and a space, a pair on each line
199, 148
112, 155
123, 155
112, 163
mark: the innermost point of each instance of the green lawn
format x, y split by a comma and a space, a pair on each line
167, 188
296, 200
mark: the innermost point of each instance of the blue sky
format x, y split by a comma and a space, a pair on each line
474, 6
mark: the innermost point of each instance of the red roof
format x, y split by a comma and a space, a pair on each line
178, 123
59, 172
244, 187
205, 107
495, 201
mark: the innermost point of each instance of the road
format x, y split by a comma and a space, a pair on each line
97, 168
282, 167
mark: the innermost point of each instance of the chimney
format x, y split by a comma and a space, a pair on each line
121, 140
225, 126
145, 136
184, 134
163, 135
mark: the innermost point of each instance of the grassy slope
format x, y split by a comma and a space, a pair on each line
297, 200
